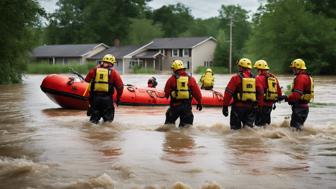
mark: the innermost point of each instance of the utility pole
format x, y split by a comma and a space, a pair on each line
230, 55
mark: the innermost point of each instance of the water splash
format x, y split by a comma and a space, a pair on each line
211, 185
124, 171
180, 185
103, 181
10, 167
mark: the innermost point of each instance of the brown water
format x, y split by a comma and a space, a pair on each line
44, 146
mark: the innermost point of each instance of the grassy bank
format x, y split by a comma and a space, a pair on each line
45, 68
215, 69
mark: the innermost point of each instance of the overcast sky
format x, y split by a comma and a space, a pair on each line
199, 8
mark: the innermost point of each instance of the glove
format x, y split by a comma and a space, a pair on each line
283, 97
225, 111
199, 107
118, 102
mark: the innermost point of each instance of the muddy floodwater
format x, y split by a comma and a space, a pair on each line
45, 146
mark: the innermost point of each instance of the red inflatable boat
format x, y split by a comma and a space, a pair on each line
69, 93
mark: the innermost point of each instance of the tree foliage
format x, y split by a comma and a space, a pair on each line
221, 52
86, 21
241, 29
287, 29
18, 19
143, 30
200, 27
175, 19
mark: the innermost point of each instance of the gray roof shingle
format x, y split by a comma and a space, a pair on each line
118, 52
63, 50
176, 43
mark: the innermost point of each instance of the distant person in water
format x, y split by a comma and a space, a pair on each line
207, 80
103, 80
152, 83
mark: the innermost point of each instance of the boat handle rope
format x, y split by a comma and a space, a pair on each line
218, 95
151, 94
130, 88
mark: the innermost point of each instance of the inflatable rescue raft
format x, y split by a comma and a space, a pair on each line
71, 93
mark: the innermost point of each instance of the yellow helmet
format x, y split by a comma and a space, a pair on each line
177, 65
245, 63
109, 58
261, 65
208, 70
298, 64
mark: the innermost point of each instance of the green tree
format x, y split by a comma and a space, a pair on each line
65, 25
241, 29
107, 19
143, 30
18, 19
324, 7
221, 52
175, 19
287, 29
200, 27
86, 21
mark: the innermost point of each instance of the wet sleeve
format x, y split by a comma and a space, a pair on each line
118, 83
89, 76
167, 88
297, 89
229, 91
195, 90
260, 90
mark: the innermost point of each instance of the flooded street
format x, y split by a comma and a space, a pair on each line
44, 146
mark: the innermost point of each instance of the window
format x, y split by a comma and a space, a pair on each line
135, 63
175, 52
186, 52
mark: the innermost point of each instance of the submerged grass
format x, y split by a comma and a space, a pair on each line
45, 68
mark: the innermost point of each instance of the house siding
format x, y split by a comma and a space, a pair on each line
168, 59
203, 53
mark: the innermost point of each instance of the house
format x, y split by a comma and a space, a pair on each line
120, 53
193, 51
66, 54
159, 53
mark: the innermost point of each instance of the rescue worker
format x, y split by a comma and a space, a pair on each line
103, 80
207, 80
268, 92
302, 94
181, 88
152, 83
242, 88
